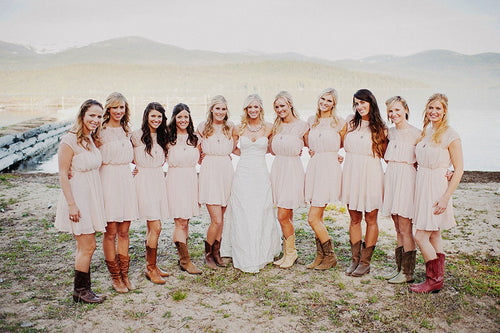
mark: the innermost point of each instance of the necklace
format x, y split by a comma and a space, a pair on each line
255, 129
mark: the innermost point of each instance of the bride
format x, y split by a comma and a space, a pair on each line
250, 235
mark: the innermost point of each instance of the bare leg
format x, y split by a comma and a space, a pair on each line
181, 230
153, 233
108, 241
436, 241
216, 219
85, 247
355, 233
285, 218
123, 238
399, 237
315, 219
371, 228
405, 227
422, 238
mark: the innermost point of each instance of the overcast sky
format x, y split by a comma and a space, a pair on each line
328, 29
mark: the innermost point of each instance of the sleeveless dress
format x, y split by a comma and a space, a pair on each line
433, 161
120, 199
251, 235
287, 172
400, 174
150, 180
182, 180
363, 177
323, 182
86, 188
216, 171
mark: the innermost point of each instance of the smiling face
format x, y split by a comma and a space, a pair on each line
435, 112
326, 103
253, 110
182, 121
397, 113
92, 119
154, 120
362, 107
117, 111
219, 112
282, 109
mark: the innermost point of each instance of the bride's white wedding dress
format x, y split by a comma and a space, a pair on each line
251, 235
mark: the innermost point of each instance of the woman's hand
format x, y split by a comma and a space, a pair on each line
135, 171
449, 174
74, 213
440, 206
340, 158
311, 152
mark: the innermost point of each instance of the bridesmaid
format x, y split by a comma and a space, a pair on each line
365, 141
150, 151
216, 173
120, 200
439, 147
80, 210
399, 186
182, 180
289, 135
323, 175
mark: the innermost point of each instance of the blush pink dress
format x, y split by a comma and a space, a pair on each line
323, 182
363, 177
120, 199
399, 186
182, 180
433, 161
150, 179
216, 171
287, 172
86, 188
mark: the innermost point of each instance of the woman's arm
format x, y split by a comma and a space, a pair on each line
342, 134
65, 156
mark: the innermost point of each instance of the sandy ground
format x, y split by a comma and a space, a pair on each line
36, 277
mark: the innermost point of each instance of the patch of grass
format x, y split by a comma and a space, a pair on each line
179, 295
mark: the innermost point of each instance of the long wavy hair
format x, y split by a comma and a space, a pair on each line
161, 131
289, 101
81, 138
172, 126
443, 125
114, 99
403, 102
335, 118
376, 124
244, 116
209, 124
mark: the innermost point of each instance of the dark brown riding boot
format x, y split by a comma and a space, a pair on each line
356, 255
216, 254
114, 270
329, 259
319, 255
82, 291
124, 262
398, 252
209, 257
364, 263
185, 260
152, 272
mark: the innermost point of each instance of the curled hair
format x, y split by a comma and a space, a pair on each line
401, 100
443, 125
113, 100
161, 131
172, 126
81, 138
375, 122
335, 119
209, 124
244, 116
289, 101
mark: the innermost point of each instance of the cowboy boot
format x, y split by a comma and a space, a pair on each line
114, 270
330, 259
280, 261
364, 263
398, 253
291, 252
152, 272
319, 255
216, 254
356, 255
124, 262
82, 291
433, 282
209, 257
407, 268
185, 260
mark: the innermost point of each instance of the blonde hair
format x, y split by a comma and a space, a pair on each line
113, 100
289, 101
395, 99
209, 124
244, 117
81, 138
333, 114
443, 125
